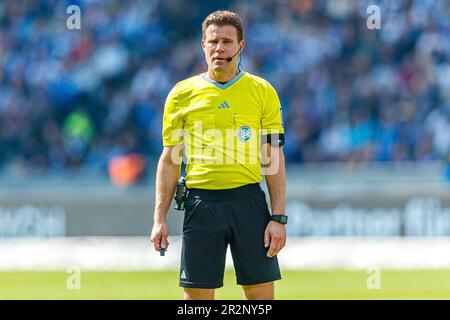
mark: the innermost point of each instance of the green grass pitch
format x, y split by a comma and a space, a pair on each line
304, 284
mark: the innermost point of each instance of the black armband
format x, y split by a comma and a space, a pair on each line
274, 139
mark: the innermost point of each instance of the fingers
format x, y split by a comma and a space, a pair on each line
160, 242
164, 243
266, 238
156, 241
276, 244
159, 235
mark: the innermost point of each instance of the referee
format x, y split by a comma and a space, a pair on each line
227, 122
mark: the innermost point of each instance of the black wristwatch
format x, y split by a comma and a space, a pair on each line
280, 218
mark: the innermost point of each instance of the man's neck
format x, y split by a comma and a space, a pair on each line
222, 76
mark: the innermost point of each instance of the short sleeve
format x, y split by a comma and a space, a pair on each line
271, 121
172, 129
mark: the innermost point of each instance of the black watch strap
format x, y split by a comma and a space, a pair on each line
280, 218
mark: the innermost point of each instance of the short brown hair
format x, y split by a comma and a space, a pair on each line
222, 18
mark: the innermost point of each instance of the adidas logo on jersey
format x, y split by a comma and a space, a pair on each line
224, 105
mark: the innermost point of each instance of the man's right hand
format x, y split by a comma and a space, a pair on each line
159, 235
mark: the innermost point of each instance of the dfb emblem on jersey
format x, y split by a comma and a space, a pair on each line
244, 133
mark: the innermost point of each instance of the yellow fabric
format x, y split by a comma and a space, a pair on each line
220, 127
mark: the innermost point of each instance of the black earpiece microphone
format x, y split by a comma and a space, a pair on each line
231, 58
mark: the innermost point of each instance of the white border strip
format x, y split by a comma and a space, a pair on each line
135, 253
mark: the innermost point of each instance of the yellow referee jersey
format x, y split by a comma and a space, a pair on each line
220, 126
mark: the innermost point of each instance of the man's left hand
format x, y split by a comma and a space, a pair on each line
275, 236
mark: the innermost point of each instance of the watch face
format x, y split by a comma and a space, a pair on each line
284, 219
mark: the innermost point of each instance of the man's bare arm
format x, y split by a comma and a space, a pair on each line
276, 181
167, 175
275, 174
275, 234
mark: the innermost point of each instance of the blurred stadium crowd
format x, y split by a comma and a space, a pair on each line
78, 98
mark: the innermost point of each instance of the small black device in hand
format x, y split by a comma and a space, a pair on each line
180, 194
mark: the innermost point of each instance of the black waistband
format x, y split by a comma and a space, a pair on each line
226, 194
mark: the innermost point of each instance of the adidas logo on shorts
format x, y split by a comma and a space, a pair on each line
183, 275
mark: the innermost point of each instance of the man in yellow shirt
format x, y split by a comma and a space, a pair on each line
222, 120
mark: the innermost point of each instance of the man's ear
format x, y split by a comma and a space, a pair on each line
203, 44
242, 45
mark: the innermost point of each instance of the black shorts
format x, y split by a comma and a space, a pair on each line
216, 218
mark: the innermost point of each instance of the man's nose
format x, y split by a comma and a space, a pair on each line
220, 47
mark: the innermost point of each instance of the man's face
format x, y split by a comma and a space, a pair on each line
220, 42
